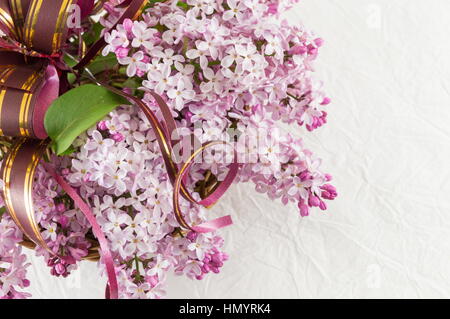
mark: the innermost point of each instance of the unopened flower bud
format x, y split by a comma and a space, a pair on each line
312, 50
102, 126
117, 137
140, 73
205, 268
299, 49
319, 42
128, 25
60, 208
215, 270
273, 8
199, 277
304, 210
313, 201
326, 101
192, 236
50, 262
64, 221
26, 283
121, 52
188, 115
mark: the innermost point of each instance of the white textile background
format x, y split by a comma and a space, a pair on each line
386, 64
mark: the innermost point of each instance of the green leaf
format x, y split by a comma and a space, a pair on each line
2, 211
93, 35
69, 61
102, 63
98, 65
71, 78
183, 5
76, 111
69, 151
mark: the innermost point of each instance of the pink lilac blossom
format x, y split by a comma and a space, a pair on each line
219, 65
13, 265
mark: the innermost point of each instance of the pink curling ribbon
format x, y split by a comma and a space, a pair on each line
177, 175
107, 258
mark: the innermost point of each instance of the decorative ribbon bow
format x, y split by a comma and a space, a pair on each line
32, 75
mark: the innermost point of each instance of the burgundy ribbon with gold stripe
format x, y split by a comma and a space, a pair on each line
18, 172
26, 91
29, 82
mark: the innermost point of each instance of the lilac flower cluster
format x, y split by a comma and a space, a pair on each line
213, 57
220, 65
120, 168
125, 183
225, 63
12, 261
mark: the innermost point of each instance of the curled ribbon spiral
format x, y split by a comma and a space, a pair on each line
31, 77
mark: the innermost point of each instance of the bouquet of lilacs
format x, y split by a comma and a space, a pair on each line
228, 70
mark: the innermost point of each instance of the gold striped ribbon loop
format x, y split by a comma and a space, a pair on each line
18, 9
46, 25
17, 172
7, 24
20, 86
41, 28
